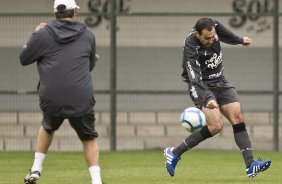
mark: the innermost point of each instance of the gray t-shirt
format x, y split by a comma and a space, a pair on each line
65, 55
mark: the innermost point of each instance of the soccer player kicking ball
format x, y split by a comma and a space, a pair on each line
212, 93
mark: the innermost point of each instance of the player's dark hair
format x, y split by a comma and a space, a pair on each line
204, 23
63, 13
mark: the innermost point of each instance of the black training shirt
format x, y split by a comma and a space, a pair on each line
204, 64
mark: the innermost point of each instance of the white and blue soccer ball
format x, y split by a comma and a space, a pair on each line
193, 119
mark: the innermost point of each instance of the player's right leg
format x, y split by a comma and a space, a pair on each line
215, 125
44, 139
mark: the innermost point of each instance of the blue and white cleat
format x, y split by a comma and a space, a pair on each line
171, 161
257, 166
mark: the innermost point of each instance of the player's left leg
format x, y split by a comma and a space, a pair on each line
91, 153
85, 129
233, 112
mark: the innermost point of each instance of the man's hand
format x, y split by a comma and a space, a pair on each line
247, 41
40, 26
212, 104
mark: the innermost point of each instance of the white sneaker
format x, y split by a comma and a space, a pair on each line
32, 177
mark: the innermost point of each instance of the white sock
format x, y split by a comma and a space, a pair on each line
95, 174
38, 161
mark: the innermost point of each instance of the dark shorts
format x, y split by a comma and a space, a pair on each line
224, 93
83, 125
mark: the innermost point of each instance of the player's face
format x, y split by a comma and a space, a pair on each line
207, 37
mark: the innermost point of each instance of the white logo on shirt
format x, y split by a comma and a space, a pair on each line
194, 92
214, 61
191, 70
216, 75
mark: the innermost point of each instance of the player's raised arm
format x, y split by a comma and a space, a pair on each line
35, 48
227, 36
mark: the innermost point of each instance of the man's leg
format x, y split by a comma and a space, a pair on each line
85, 129
91, 153
44, 140
234, 114
214, 126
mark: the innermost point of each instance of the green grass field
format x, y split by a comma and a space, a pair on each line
140, 167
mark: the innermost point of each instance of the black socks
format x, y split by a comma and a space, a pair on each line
240, 135
243, 142
192, 140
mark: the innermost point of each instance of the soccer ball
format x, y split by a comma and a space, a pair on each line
193, 119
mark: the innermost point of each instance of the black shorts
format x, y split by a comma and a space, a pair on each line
83, 125
224, 93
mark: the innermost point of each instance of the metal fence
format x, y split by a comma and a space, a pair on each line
140, 61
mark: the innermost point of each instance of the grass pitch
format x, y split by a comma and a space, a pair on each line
140, 167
